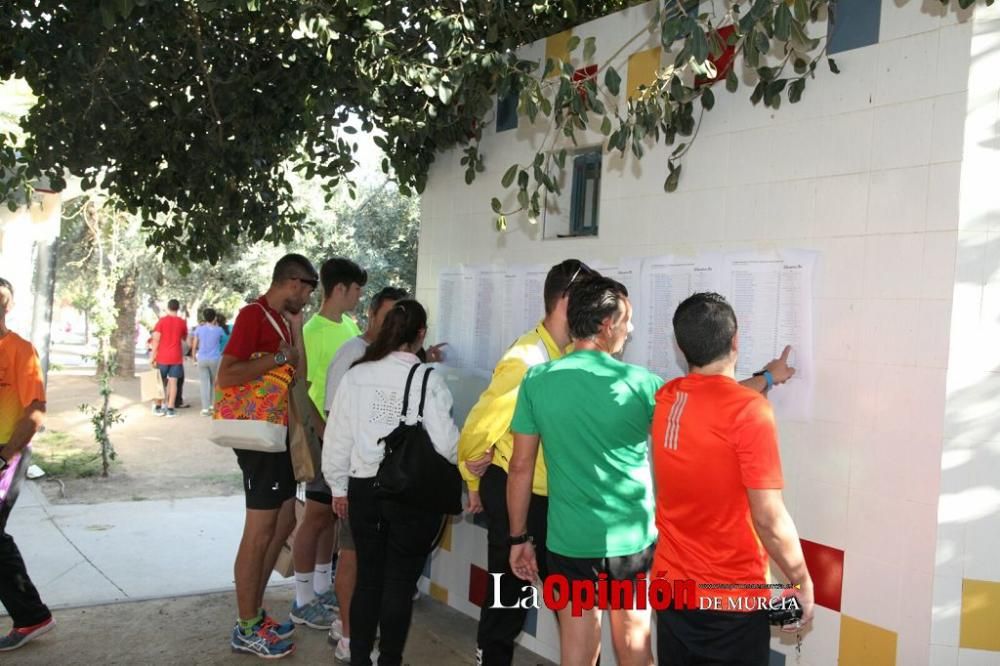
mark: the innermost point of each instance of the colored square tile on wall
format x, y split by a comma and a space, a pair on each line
531, 622
642, 68
557, 48
775, 659
479, 580
980, 624
826, 566
863, 644
439, 592
426, 573
446, 537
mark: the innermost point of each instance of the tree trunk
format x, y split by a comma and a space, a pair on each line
123, 339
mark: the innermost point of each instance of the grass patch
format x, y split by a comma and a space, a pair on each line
62, 455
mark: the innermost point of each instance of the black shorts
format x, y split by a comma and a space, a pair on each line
268, 479
624, 567
688, 637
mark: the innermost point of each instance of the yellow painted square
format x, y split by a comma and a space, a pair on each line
439, 593
642, 68
980, 627
446, 537
863, 644
557, 48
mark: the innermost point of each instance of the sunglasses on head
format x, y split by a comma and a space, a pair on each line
312, 282
582, 269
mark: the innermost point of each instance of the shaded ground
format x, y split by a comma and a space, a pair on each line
158, 458
194, 630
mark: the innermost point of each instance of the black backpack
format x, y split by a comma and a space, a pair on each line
412, 471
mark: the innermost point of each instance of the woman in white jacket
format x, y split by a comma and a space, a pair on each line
392, 539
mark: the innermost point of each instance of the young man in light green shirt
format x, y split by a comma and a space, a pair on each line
312, 551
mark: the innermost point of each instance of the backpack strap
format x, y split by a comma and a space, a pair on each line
423, 395
406, 393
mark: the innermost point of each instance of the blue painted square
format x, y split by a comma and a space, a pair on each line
776, 659
853, 24
427, 568
531, 622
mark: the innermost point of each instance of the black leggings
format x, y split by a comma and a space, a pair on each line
392, 541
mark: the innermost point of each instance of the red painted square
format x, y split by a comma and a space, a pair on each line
826, 566
478, 580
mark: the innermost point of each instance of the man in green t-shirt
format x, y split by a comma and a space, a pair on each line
594, 412
312, 551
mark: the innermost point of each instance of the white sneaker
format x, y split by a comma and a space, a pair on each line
336, 631
343, 651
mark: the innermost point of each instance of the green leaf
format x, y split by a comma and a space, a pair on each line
758, 92
612, 81
699, 46
795, 90
508, 176
589, 48
668, 34
782, 22
801, 8
833, 65
707, 99
522, 198
495, 205
606, 126
444, 93
670, 185
573, 42
732, 81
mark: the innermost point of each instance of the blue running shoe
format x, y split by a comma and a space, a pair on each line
313, 614
282, 631
261, 642
328, 599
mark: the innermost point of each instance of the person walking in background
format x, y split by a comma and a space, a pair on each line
220, 319
22, 408
206, 347
312, 552
485, 451
392, 539
347, 560
267, 335
168, 354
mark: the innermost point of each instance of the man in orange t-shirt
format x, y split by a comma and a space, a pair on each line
22, 406
719, 511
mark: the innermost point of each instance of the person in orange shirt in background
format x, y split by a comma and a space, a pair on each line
22, 406
719, 510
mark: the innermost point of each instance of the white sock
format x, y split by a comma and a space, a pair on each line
322, 580
304, 588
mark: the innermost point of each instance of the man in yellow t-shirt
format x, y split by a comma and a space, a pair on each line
22, 407
485, 449
312, 551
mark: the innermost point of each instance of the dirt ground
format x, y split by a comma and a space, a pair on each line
195, 630
158, 458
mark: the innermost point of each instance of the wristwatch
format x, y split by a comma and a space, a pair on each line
768, 377
518, 540
280, 358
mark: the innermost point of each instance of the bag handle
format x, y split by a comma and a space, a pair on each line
423, 395
281, 333
406, 393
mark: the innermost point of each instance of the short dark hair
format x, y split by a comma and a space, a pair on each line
208, 315
5, 284
560, 277
173, 305
591, 301
704, 325
339, 270
386, 294
293, 266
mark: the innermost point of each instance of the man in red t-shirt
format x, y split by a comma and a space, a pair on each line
168, 355
267, 334
719, 511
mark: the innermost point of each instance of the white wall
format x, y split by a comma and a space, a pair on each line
866, 170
